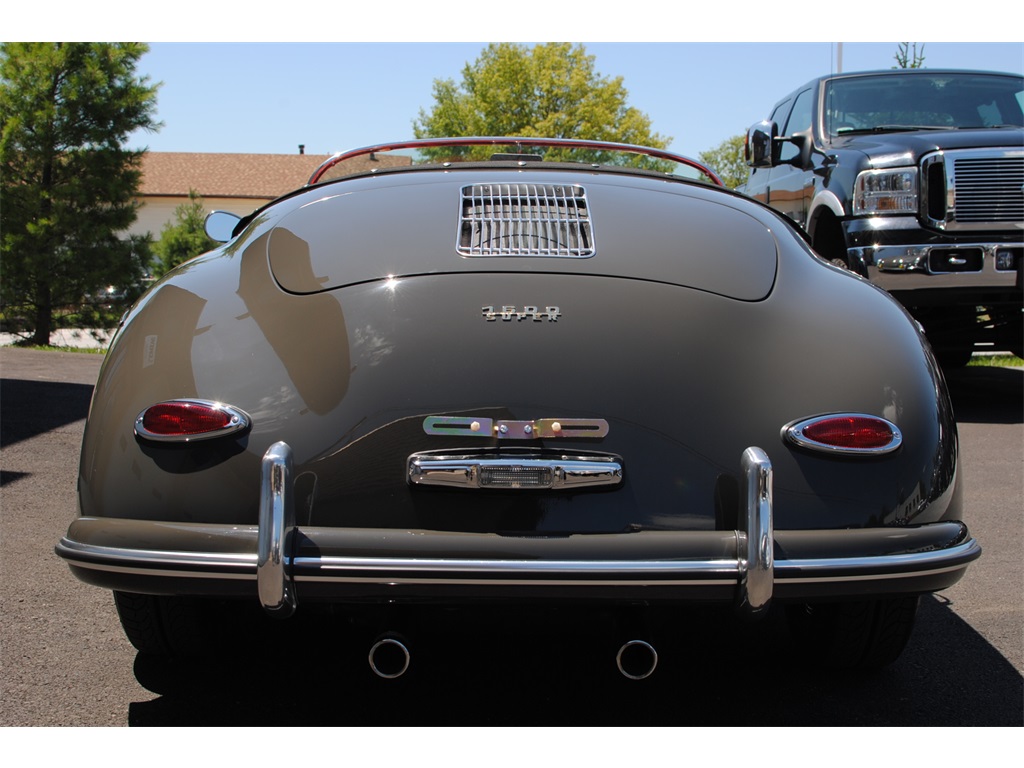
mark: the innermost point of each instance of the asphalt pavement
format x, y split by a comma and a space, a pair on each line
65, 661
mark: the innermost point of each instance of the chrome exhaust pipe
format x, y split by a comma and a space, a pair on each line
636, 659
389, 657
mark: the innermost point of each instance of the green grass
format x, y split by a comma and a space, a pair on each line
51, 348
1000, 361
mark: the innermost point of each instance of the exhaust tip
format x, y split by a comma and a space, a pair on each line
636, 659
389, 658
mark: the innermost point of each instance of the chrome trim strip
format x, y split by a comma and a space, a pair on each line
625, 567
719, 572
970, 548
794, 433
871, 577
729, 583
276, 528
756, 542
516, 472
240, 421
142, 560
161, 572
508, 429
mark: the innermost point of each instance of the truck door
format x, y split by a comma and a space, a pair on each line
790, 187
757, 184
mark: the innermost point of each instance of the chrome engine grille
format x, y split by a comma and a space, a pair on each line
975, 189
550, 220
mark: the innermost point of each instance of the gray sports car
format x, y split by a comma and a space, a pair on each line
515, 369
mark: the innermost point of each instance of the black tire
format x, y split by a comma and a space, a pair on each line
829, 242
857, 635
162, 625
1017, 340
951, 358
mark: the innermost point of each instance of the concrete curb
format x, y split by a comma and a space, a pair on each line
74, 338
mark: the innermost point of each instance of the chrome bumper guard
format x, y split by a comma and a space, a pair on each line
276, 529
669, 564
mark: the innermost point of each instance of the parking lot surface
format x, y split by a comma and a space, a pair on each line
66, 662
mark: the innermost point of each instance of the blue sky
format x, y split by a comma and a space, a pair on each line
336, 79
271, 97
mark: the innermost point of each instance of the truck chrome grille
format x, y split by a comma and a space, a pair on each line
547, 220
989, 189
974, 189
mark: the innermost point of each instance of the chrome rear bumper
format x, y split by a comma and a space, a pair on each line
749, 566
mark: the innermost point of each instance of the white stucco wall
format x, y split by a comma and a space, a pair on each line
157, 211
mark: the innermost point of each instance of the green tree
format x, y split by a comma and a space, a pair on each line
183, 238
68, 184
727, 161
907, 56
550, 90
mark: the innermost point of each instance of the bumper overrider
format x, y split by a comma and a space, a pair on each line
282, 563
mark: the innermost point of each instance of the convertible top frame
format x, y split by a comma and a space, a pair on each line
520, 143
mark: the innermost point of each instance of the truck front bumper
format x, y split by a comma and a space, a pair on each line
896, 254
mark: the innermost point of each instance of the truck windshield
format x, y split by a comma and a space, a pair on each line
919, 100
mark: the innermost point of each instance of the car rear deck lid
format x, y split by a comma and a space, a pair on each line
542, 221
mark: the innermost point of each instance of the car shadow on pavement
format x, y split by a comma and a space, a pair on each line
987, 395
30, 408
535, 667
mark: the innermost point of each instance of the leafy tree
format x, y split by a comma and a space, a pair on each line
907, 57
183, 238
550, 90
727, 161
68, 184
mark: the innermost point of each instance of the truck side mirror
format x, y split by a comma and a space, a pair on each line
758, 149
804, 143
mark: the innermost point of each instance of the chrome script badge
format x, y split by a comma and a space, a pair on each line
536, 314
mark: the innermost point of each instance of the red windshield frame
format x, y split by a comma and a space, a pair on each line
610, 146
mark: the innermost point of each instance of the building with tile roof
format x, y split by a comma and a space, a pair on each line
238, 183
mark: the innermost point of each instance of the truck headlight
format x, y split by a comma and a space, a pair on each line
888, 191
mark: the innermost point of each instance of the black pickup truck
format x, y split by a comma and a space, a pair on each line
914, 179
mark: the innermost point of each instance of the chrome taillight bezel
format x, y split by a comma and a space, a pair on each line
794, 433
237, 421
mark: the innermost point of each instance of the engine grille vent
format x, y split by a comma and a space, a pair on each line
989, 189
550, 220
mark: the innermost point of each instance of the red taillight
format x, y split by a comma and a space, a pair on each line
846, 433
185, 420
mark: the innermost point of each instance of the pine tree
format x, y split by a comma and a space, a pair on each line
183, 238
68, 184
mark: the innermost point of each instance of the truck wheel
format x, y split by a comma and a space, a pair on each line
857, 635
951, 358
829, 242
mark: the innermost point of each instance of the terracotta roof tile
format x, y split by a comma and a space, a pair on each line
226, 175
